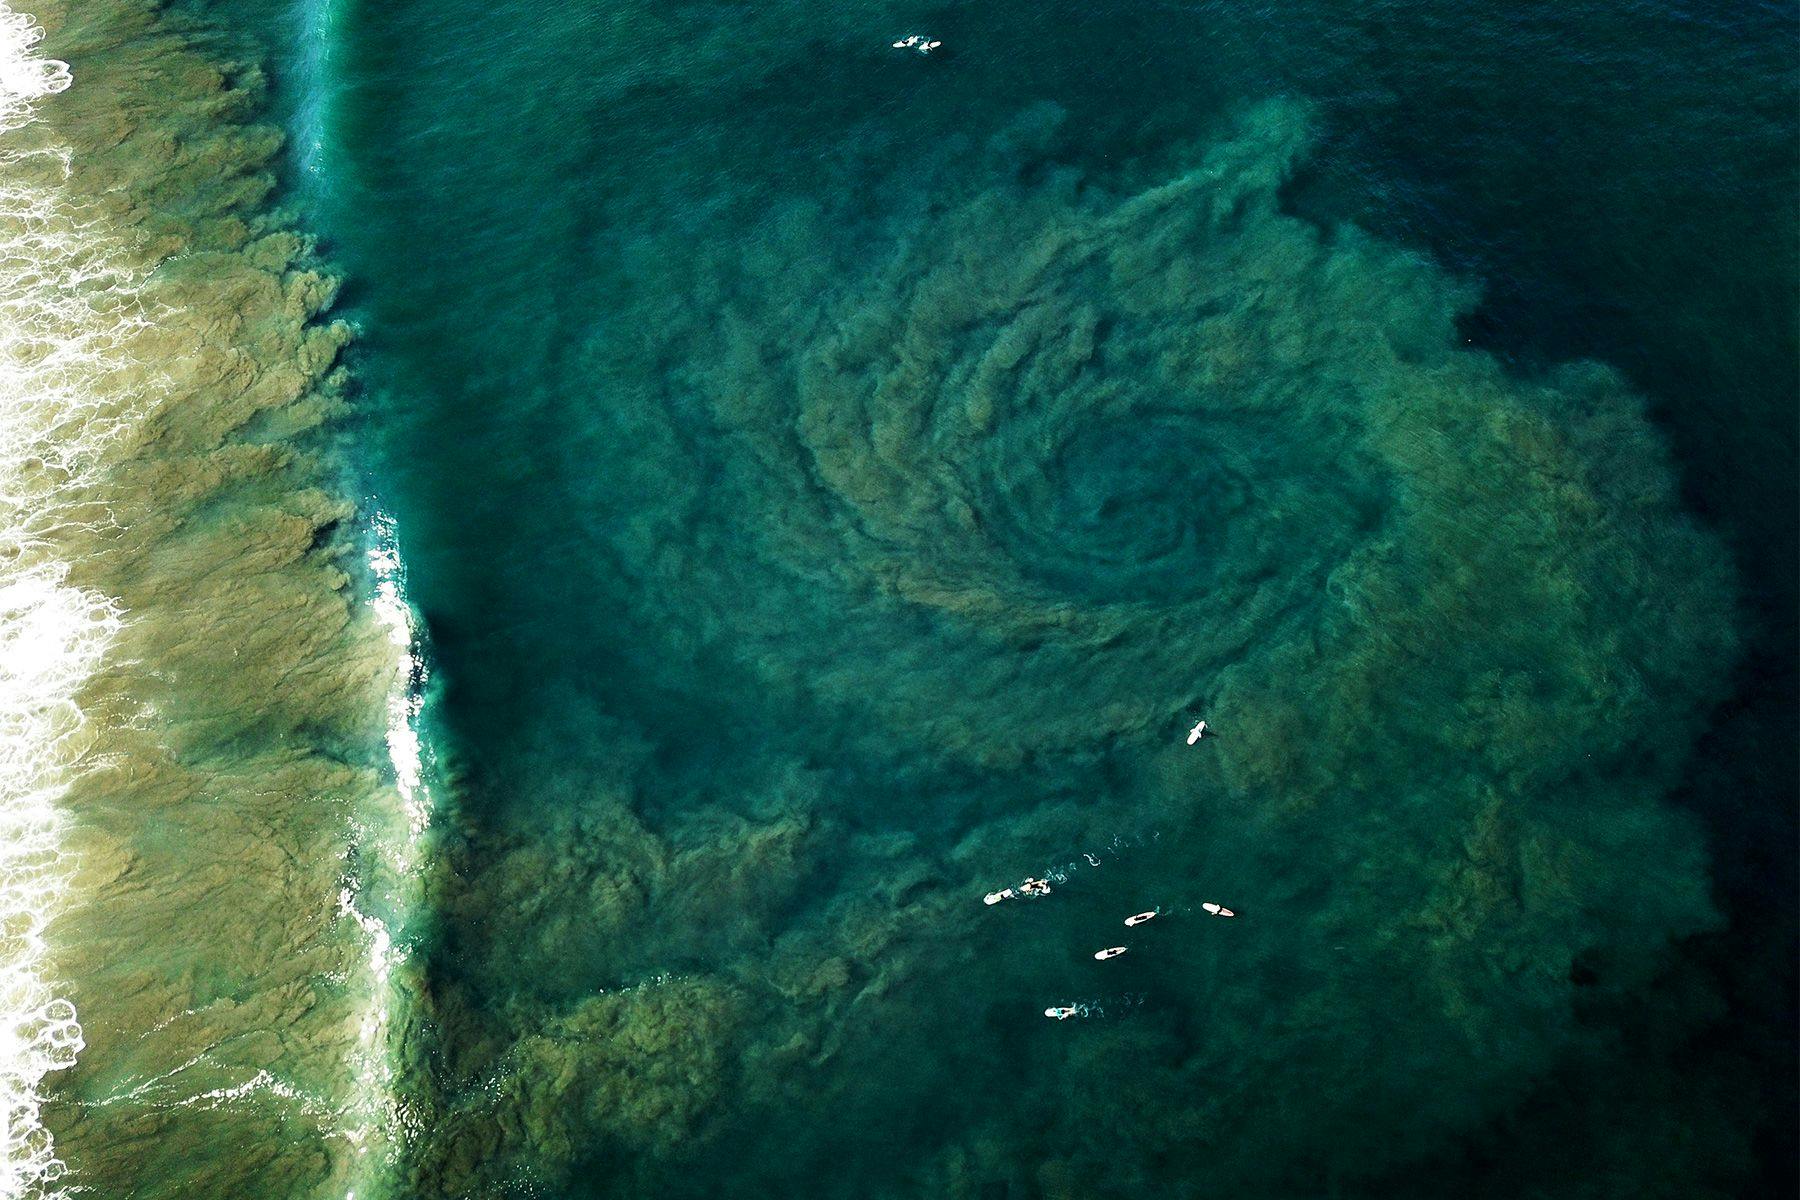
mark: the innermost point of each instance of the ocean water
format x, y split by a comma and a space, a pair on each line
203, 824
568, 547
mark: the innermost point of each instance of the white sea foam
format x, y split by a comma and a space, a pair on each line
378, 1123
379, 1118
73, 397
55, 426
406, 700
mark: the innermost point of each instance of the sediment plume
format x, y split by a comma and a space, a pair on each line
992, 479
189, 580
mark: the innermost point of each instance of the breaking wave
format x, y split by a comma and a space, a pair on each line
212, 783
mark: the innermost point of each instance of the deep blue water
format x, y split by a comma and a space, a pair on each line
834, 477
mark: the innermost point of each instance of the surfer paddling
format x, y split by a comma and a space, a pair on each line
1197, 732
1139, 919
1109, 952
1031, 887
1217, 910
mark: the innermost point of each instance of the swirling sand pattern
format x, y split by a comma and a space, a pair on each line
997, 487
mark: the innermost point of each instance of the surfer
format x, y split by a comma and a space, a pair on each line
1031, 887
1139, 919
1109, 952
1217, 910
1197, 732
1060, 1014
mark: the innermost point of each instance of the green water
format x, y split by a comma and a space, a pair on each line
832, 479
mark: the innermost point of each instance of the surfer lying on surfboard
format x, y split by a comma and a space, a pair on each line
1031, 887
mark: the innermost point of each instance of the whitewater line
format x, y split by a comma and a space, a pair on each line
379, 1115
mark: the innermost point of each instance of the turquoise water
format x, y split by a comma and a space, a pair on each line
827, 505
832, 479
